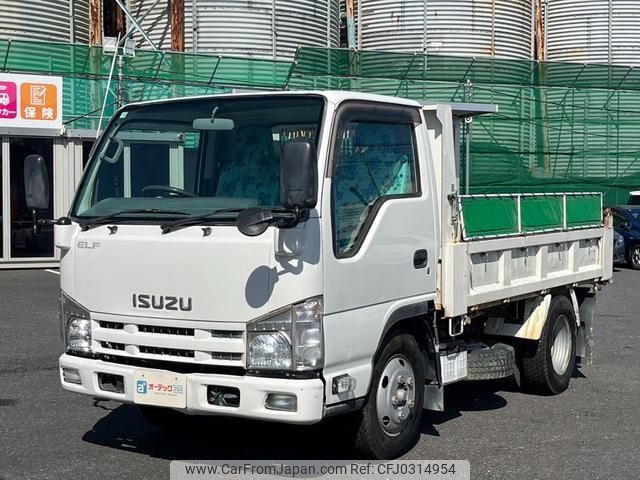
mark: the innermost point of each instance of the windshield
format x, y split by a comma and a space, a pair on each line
195, 156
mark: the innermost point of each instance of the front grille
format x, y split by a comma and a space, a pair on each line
226, 334
230, 357
112, 345
112, 325
187, 332
171, 352
179, 341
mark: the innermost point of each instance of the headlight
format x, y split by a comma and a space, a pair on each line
79, 334
291, 339
270, 350
75, 325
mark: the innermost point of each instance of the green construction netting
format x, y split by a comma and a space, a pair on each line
492, 215
146, 66
560, 126
148, 75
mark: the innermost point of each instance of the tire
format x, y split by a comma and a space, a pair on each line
389, 424
634, 257
164, 419
491, 363
545, 368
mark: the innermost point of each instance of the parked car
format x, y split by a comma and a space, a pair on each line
618, 248
626, 222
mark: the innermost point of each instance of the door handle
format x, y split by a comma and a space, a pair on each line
420, 259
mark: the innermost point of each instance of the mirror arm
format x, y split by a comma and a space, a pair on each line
299, 215
55, 221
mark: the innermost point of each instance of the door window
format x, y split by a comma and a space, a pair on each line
373, 162
28, 237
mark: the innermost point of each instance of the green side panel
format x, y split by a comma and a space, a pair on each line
541, 213
584, 210
484, 216
491, 216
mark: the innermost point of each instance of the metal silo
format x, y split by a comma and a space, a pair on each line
45, 20
593, 31
155, 19
249, 28
494, 28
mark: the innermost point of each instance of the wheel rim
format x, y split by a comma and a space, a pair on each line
635, 257
396, 395
561, 346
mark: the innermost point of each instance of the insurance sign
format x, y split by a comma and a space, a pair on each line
30, 101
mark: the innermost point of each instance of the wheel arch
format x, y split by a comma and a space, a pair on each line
414, 319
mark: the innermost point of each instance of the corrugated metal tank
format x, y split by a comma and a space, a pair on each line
605, 32
593, 31
80, 16
45, 20
495, 28
155, 20
256, 28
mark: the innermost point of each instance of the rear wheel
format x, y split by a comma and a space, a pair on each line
547, 368
634, 257
389, 424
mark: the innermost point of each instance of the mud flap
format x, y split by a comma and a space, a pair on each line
433, 397
584, 338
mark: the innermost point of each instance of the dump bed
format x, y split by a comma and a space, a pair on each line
501, 247
516, 245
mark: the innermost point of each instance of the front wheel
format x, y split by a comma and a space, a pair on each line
547, 368
634, 257
390, 422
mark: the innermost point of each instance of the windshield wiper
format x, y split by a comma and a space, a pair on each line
94, 222
195, 219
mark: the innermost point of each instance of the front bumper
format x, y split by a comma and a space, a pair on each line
253, 391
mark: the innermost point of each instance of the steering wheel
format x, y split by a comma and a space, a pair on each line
166, 188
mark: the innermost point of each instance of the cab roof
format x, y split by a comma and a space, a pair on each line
336, 96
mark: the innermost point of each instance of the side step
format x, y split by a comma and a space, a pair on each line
492, 363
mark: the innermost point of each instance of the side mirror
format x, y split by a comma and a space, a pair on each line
36, 183
254, 221
628, 226
299, 175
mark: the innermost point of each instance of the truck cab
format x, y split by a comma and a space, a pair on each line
294, 256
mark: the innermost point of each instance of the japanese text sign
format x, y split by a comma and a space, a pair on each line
30, 101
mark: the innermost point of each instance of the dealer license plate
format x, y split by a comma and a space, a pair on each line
164, 389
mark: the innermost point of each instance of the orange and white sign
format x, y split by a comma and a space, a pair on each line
30, 101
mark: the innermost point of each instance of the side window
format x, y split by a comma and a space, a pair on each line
373, 161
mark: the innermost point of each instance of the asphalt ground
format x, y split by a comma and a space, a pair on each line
592, 431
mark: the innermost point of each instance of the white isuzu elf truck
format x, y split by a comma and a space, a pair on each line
294, 256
